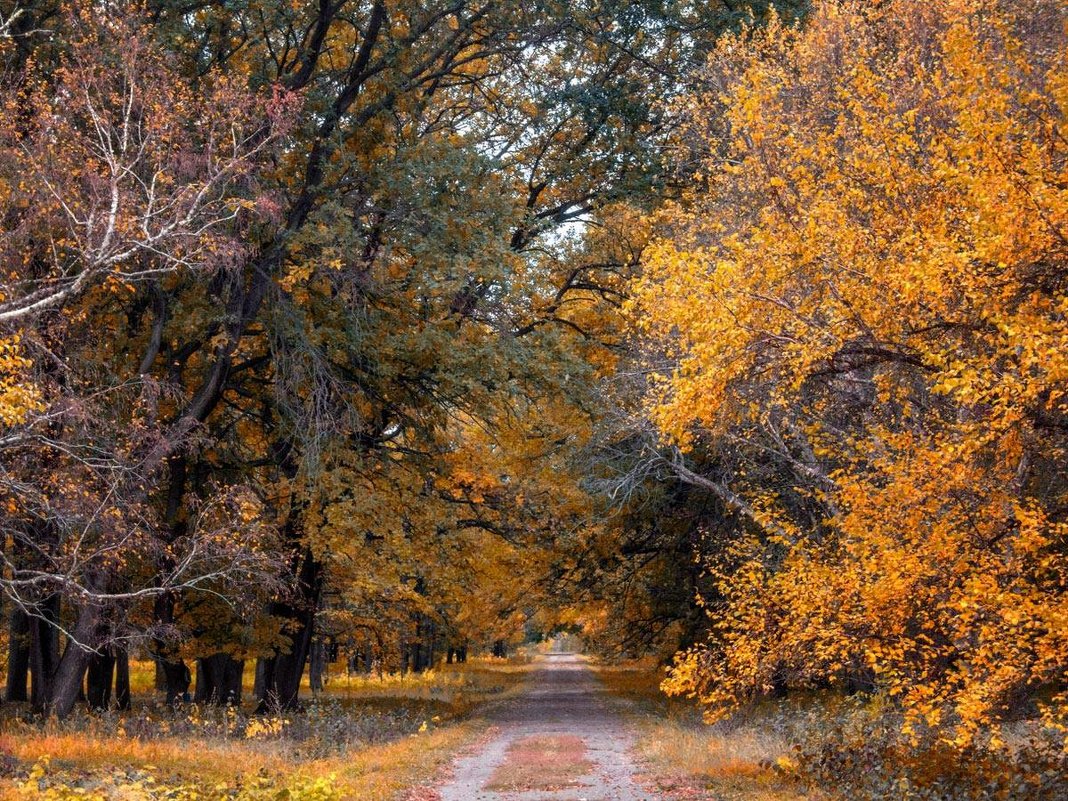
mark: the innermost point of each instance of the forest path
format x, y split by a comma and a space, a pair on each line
559, 741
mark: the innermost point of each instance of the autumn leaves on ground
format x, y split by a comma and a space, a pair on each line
355, 352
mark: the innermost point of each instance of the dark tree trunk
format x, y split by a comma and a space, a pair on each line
461, 654
368, 658
44, 653
449, 654
317, 665
219, 679
176, 679
67, 683
500, 648
18, 657
172, 674
99, 677
122, 678
282, 671
432, 636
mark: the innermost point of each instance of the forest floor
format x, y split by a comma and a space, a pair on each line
559, 728
364, 737
678, 756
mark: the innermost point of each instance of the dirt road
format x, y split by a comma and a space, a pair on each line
560, 741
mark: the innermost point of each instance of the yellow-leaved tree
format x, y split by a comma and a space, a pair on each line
860, 310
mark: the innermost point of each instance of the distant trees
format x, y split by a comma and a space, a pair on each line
860, 303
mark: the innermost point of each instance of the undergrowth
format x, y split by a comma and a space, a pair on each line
364, 737
827, 746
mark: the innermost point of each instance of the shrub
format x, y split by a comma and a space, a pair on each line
872, 761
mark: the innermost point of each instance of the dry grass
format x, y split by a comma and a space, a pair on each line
749, 759
376, 737
380, 772
543, 763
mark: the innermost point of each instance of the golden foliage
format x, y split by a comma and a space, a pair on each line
871, 266
18, 396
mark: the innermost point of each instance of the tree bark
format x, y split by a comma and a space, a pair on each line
260, 682
18, 657
282, 670
172, 673
176, 678
122, 678
67, 683
219, 679
44, 653
99, 678
317, 665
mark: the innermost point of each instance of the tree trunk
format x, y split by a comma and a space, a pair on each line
122, 678
219, 679
432, 635
18, 657
282, 671
99, 677
172, 674
317, 665
260, 682
67, 683
176, 678
44, 653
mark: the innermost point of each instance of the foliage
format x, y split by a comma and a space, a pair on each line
341, 252
861, 303
18, 396
866, 760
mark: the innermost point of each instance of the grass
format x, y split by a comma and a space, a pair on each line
747, 759
375, 737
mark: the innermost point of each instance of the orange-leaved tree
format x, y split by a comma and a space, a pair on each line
862, 307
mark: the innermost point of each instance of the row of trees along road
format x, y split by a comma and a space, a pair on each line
298, 327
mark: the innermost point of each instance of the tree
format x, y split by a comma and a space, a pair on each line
118, 175
862, 302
